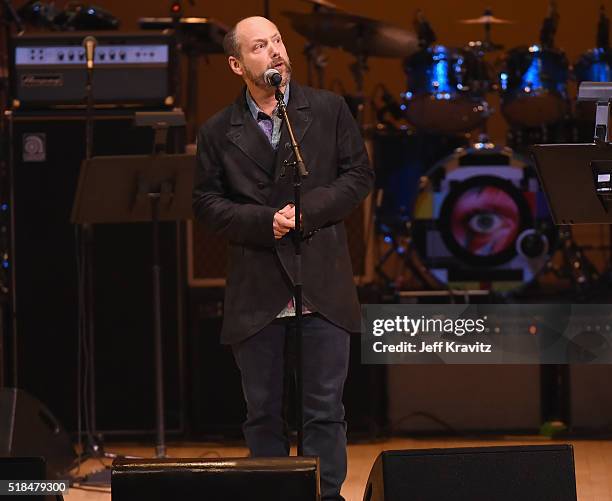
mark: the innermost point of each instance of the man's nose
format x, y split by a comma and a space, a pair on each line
274, 52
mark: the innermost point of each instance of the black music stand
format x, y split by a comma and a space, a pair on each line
139, 188
577, 181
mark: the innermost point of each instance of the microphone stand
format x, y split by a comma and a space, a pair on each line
299, 171
94, 446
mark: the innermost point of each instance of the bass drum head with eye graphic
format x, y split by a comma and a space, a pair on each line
482, 222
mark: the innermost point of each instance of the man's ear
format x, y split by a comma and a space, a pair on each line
235, 65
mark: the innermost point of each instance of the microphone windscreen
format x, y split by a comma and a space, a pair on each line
273, 77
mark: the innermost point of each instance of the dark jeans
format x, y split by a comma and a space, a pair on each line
262, 361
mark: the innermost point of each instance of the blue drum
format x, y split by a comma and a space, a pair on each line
593, 66
533, 86
445, 90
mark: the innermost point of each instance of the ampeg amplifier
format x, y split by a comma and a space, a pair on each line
130, 69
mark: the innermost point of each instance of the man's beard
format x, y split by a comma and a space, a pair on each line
258, 80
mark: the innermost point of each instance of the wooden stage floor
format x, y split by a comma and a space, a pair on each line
593, 461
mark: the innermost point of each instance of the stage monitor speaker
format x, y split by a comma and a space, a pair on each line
28, 429
542, 472
219, 479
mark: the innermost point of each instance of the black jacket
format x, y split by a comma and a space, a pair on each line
239, 186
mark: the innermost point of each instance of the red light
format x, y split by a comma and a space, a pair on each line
176, 7
533, 330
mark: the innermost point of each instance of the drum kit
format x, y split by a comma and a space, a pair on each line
461, 212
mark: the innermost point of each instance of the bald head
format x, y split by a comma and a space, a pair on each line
253, 46
244, 28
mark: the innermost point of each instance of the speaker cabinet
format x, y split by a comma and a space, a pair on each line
590, 398
436, 398
47, 151
236, 479
545, 473
28, 429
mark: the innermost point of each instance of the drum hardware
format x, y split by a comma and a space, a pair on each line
575, 266
563, 131
389, 107
486, 20
549, 26
403, 247
603, 29
316, 59
425, 32
361, 36
358, 69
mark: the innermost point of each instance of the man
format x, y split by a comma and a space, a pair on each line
242, 191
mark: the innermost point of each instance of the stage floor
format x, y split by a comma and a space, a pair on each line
593, 461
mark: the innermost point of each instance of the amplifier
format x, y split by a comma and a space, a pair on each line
131, 69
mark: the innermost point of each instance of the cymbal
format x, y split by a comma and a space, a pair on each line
486, 19
323, 3
355, 34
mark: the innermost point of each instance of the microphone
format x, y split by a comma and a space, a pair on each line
89, 43
273, 77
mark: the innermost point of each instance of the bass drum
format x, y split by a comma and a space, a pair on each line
482, 222
533, 86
